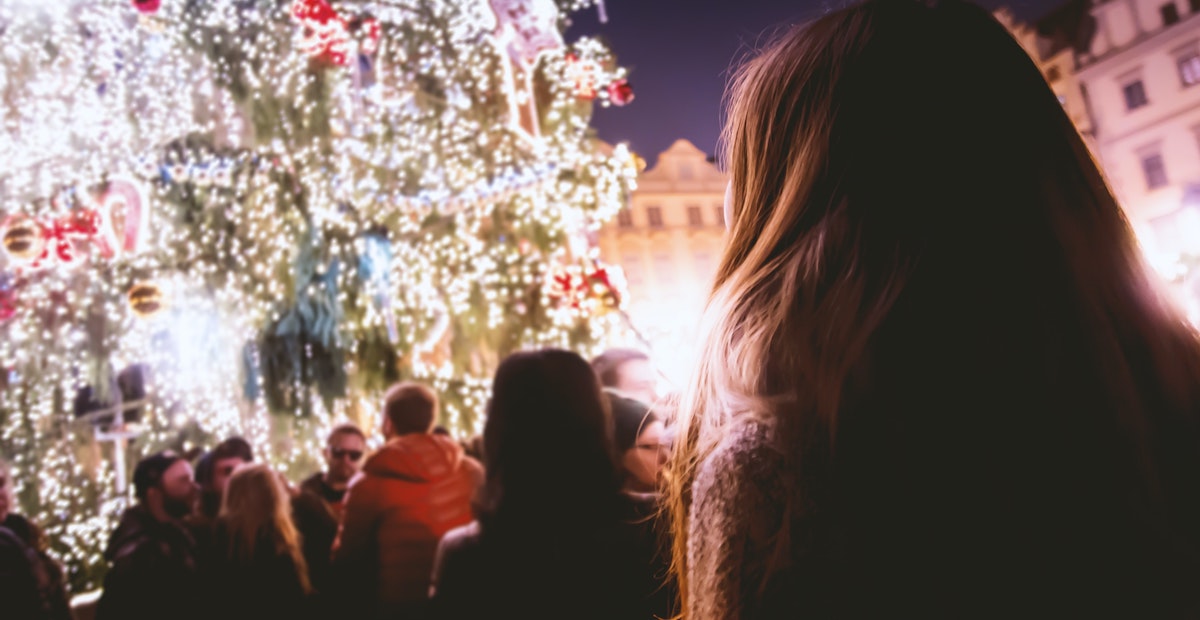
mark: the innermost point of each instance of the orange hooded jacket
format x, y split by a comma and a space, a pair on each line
413, 490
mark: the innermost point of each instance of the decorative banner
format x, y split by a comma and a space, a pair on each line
124, 217
220, 172
525, 29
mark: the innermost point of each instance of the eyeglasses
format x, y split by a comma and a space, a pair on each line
353, 454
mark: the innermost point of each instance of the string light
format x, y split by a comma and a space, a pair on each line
372, 198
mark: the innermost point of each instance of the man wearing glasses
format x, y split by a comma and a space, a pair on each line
343, 459
317, 508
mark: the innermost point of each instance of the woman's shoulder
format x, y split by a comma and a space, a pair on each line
745, 453
738, 482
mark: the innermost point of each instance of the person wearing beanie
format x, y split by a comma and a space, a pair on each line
638, 439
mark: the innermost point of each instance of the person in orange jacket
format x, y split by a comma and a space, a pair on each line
417, 487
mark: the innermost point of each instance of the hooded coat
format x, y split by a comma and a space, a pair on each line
410, 493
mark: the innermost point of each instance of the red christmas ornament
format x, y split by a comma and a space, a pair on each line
620, 92
147, 6
326, 35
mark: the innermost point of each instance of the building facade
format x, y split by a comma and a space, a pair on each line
1128, 74
668, 241
1141, 76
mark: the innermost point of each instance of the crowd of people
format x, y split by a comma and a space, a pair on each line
937, 380
556, 503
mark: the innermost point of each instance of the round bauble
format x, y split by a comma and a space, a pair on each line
23, 239
146, 299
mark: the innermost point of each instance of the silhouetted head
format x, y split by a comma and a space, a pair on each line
548, 441
409, 408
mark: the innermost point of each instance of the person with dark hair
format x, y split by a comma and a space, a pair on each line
152, 556
940, 380
344, 451
31, 583
318, 508
638, 436
413, 490
214, 469
554, 534
257, 566
629, 372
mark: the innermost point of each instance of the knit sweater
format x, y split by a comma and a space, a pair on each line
737, 508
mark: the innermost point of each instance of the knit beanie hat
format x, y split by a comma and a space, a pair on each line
630, 417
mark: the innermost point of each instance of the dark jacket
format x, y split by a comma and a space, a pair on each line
317, 523
153, 571
613, 571
265, 585
411, 492
315, 484
31, 584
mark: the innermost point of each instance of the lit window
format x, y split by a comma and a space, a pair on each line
1189, 68
1155, 170
694, 218
1170, 13
1135, 95
625, 218
654, 217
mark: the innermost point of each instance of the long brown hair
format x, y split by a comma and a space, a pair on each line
548, 427
256, 510
922, 248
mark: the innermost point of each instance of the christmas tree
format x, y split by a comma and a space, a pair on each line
252, 216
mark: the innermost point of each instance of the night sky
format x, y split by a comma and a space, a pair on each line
679, 52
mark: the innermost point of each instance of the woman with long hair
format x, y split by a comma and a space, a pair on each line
256, 568
937, 379
554, 534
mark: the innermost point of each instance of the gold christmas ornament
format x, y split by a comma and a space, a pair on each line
23, 239
146, 299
